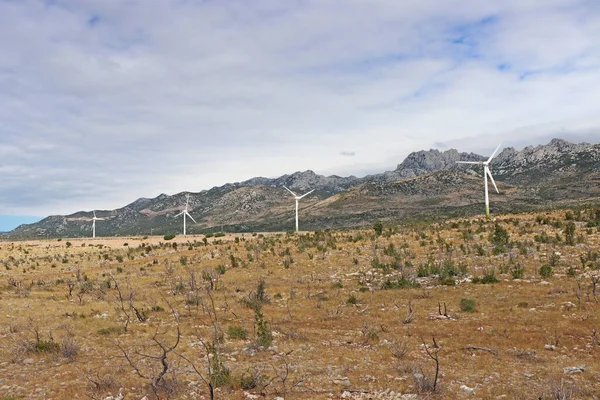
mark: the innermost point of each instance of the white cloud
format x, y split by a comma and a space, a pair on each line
103, 102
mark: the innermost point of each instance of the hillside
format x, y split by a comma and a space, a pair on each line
426, 184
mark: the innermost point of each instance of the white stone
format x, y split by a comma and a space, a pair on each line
574, 370
466, 389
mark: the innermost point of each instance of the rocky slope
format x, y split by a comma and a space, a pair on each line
426, 184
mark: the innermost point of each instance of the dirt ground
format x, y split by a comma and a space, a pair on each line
504, 310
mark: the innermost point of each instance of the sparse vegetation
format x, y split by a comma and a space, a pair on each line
352, 304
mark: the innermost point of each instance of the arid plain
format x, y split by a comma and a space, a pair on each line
500, 309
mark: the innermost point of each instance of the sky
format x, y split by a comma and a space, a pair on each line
103, 102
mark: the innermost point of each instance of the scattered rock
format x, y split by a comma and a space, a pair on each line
467, 389
344, 381
574, 370
550, 347
28, 361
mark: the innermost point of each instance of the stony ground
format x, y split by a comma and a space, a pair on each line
506, 309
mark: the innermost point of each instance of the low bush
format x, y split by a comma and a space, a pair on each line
237, 332
467, 305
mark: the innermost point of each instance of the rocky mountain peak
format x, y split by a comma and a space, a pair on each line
424, 161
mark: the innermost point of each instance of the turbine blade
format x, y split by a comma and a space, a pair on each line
470, 162
94, 214
487, 170
494, 153
192, 218
181, 213
306, 194
187, 199
294, 194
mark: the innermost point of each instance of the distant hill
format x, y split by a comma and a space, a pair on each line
427, 184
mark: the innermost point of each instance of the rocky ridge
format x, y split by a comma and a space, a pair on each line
426, 184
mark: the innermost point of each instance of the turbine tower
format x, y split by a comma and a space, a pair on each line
94, 219
184, 213
298, 198
486, 173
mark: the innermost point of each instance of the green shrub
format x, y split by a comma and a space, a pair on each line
570, 233
237, 332
546, 271
400, 283
467, 305
46, 346
248, 381
264, 337
378, 228
221, 269
517, 271
169, 236
352, 299
488, 277
447, 281
221, 376
111, 330
499, 238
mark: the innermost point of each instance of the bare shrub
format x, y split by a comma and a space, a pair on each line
69, 348
399, 349
559, 390
424, 383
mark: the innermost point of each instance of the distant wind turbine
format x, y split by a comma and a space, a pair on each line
486, 173
185, 212
298, 198
94, 219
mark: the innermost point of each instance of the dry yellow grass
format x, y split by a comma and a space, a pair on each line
334, 327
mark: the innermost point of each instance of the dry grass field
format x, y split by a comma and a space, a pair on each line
503, 309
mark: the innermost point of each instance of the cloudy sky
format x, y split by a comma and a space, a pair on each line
105, 101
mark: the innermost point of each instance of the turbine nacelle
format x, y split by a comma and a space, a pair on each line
296, 196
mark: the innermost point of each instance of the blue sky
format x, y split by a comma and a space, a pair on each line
102, 102
10, 222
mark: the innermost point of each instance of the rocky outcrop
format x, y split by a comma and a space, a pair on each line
422, 162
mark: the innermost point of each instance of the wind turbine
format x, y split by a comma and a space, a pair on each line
298, 198
185, 212
94, 219
486, 173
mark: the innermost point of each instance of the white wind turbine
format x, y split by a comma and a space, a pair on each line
94, 219
185, 212
486, 173
298, 198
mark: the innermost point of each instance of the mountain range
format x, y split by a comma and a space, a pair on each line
426, 185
